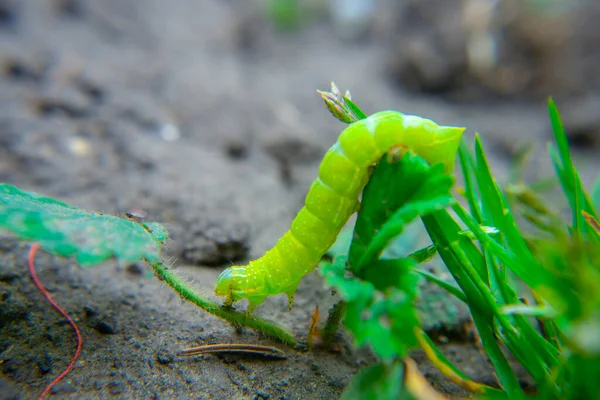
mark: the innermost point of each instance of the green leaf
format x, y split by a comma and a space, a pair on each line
71, 232
398, 191
386, 322
349, 288
398, 273
377, 382
381, 295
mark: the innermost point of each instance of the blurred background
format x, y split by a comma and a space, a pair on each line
211, 105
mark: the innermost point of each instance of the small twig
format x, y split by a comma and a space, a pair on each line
187, 293
254, 349
313, 328
62, 312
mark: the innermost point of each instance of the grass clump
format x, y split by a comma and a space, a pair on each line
496, 264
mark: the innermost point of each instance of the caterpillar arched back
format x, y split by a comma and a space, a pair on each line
332, 199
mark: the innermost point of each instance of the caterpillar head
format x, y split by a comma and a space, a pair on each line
240, 281
225, 283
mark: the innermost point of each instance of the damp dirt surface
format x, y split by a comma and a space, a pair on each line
201, 114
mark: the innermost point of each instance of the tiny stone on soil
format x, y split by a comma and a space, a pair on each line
45, 364
63, 388
106, 328
116, 387
89, 311
164, 358
135, 269
262, 395
236, 149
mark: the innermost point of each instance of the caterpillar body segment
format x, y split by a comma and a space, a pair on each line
332, 199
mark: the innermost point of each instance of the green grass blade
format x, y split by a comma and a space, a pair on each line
569, 178
527, 339
596, 193
341, 106
505, 373
388, 208
453, 290
467, 166
445, 234
496, 211
480, 285
527, 269
355, 109
424, 254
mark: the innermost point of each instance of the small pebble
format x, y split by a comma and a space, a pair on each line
262, 395
236, 149
105, 328
62, 388
169, 132
164, 358
116, 387
45, 364
89, 311
135, 269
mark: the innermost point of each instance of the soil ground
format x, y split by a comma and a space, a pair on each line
201, 114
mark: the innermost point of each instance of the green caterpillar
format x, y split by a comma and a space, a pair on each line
332, 199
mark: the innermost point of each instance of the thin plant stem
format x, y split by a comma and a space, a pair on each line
187, 293
336, 313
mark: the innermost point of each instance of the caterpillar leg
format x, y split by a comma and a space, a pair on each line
238, 282
253, 302
228, 302
290, 295
226, 289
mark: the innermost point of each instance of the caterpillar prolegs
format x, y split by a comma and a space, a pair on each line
332, 199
